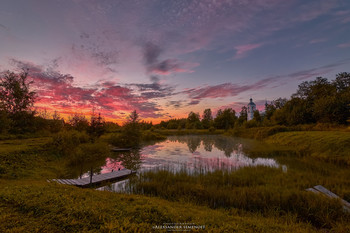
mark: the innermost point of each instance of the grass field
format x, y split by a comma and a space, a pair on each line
333, 146
256, 199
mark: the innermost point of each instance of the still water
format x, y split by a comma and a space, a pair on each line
190, 152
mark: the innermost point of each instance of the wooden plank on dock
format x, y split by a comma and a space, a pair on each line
120, 174
324, 191
120, 149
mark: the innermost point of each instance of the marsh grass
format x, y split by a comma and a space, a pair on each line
264, 190
330, 146
45, 207
250, 199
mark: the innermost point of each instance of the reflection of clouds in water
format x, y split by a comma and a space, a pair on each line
177, 153
231, 163
150, 150
211, 152
111, 165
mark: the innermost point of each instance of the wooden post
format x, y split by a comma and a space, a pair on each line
91, 176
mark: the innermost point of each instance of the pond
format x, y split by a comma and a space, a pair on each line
191, 152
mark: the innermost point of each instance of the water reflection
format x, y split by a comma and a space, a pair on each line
130, 160
192, 152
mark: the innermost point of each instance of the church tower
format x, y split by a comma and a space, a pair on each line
250, 110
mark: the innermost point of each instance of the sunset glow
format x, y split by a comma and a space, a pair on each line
167, 58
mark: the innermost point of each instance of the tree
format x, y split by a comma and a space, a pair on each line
342, 81
193, 121
4, 121
96, 128
131, 132
57, 123
225, 119
16, 101
243, 115
257, 116
79, 122
133, 117
273, 106
207, 118
15, 96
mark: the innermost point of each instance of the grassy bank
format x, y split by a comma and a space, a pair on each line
29, 203
44, 207
331, 146
168, 132
251, 199
263, 190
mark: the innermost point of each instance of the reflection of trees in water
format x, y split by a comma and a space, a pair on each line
82, 166
193, 143
225, 144
130, 160
208, 143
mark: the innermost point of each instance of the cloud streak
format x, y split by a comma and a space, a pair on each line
231, 89
59, 91
151, 56
243, 50
344, 45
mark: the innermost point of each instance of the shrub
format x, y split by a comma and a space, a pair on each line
250, 124
268, 131
88, 153
149, 136
65, 142
129, 137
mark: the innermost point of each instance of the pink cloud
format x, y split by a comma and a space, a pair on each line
315, 41
169, 66
230, 89
243, 50
344, 45
56, 91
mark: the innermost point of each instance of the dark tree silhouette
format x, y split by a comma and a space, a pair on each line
15, 94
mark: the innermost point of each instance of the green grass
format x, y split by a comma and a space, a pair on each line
332, 146
15, 145
253, 199
268, 191
169, 132
43, 207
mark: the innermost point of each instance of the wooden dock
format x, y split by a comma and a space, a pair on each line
120, 149
96, 179
319, 189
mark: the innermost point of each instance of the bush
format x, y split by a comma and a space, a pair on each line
250, 124
268, 131
88, 153
149, 136
212, 129
129, 137
64, 143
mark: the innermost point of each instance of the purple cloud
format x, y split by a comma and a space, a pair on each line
59, 92
243, 50
231, 89
344, 45
151, 54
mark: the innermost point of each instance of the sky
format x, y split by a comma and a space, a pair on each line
167, 58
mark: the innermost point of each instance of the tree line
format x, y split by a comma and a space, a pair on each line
316, 101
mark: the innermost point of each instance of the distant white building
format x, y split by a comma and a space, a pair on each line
250, 111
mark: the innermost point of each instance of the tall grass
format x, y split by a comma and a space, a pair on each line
331, 146
43, 207
263, 190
